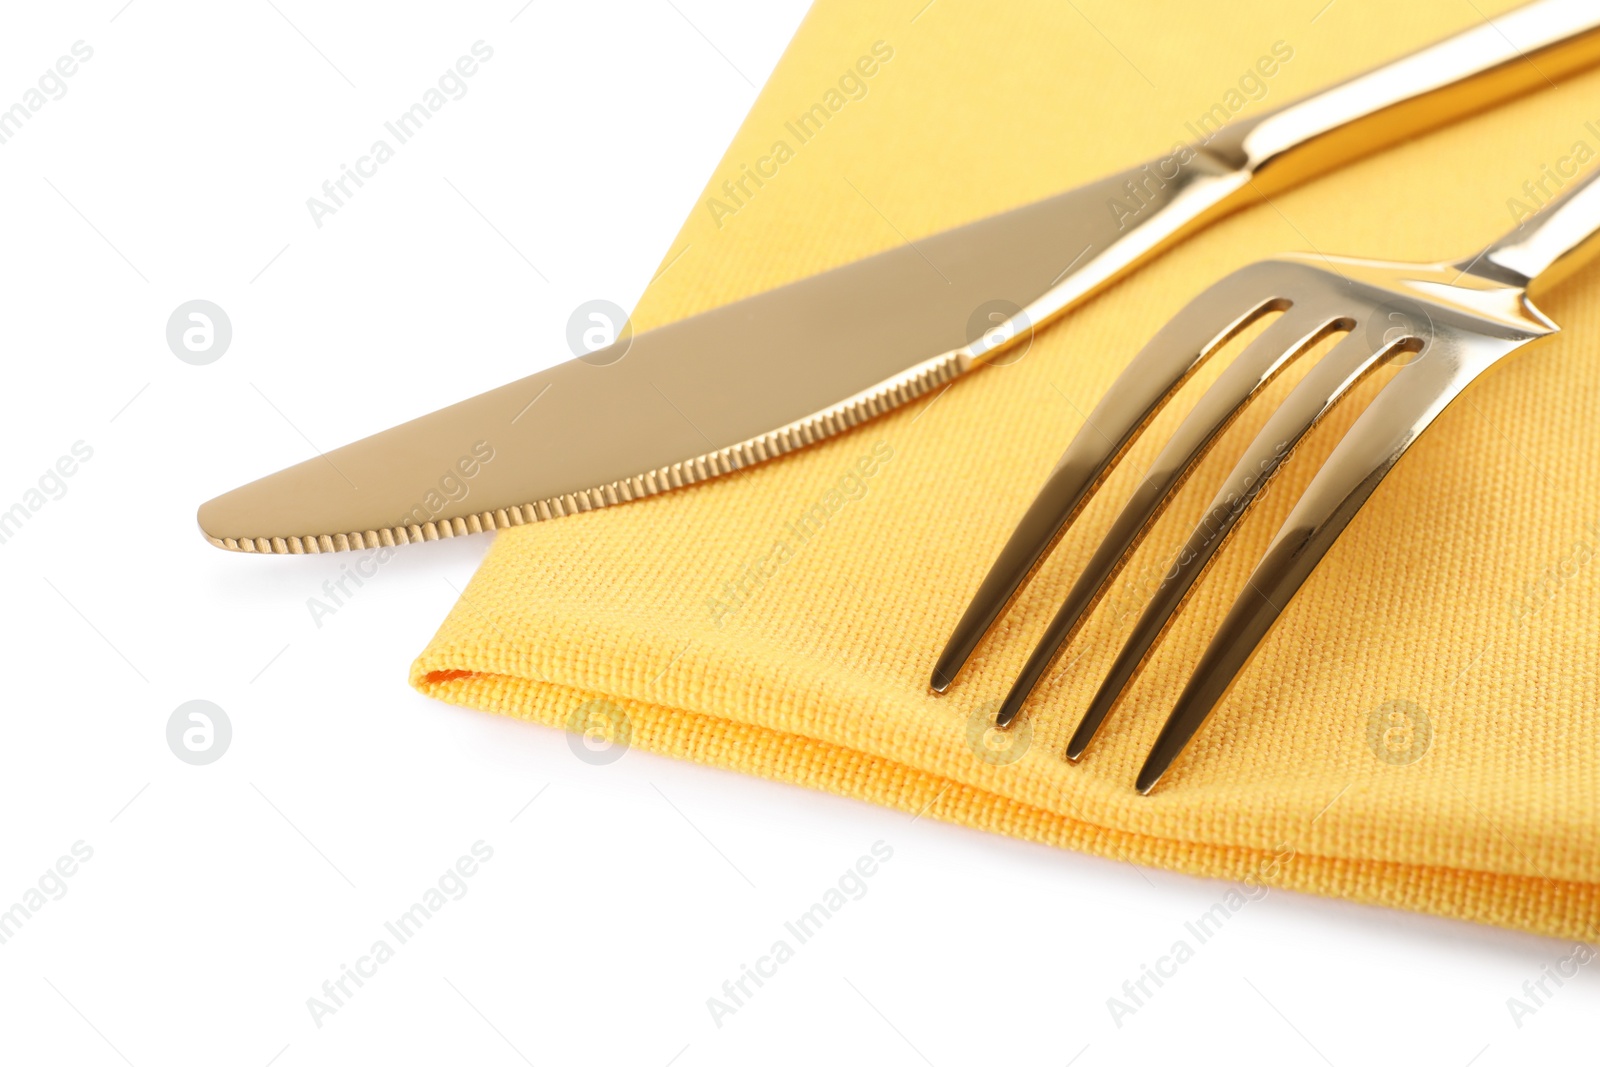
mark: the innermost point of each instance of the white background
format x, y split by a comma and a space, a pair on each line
619, 898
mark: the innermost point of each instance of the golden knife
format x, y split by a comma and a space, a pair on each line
754, 379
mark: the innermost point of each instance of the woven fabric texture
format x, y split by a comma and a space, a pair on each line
1418, 731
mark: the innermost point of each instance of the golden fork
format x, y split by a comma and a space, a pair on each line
1449, 323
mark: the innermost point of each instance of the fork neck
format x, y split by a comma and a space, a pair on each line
1550, 244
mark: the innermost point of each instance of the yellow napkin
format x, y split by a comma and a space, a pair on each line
1419, 731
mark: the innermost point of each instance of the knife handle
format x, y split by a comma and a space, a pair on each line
1549, 246
1504, 57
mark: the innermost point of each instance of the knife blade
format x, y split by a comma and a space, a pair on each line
752, 380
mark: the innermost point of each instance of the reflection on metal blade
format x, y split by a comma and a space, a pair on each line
729, 387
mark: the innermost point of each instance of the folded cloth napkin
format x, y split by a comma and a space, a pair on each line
1419, 731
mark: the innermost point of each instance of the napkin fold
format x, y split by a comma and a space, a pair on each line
1420, 729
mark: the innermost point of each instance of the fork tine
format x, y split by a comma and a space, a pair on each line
1206, 324
1323, 386
1401, 412
1266, 356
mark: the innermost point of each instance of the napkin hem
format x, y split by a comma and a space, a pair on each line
1535, 904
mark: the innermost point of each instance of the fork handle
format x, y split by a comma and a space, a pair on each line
1512, 54
1551, 244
